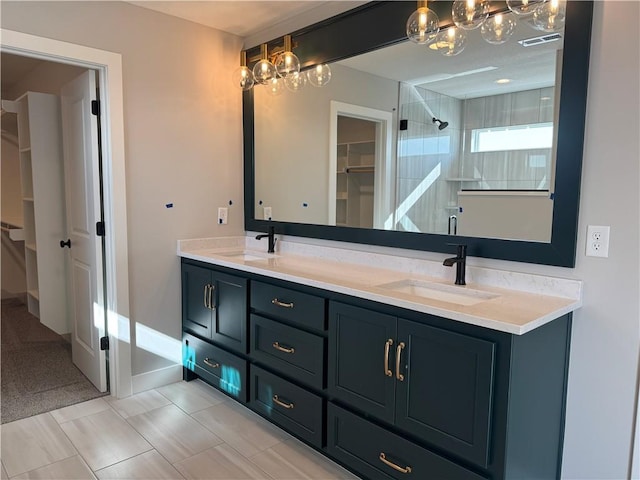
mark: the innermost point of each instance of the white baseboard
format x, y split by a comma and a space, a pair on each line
156, 378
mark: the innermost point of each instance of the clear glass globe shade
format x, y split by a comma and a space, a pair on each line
497, 29
287, 63
263, 71
275, 86
451, 41
523, 7
295, 81
243, 78
319, 75
422, 26
469, 14
550, 16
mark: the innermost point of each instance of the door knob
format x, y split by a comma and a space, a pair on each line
65, 244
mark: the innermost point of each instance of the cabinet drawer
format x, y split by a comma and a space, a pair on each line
366, 447
291, 351
287, 405
218, 367
289, 305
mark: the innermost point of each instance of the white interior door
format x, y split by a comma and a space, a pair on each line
82, 186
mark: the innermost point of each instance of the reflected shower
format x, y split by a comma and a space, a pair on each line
441, 125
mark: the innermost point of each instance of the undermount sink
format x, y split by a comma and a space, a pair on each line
246, 255
437, 291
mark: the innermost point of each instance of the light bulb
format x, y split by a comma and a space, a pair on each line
295, 81
497, 29
470, 14
422, 26
451, 41
274, 86
319, 75
523, 7
243, 78
263, 71
550, 16
287, 63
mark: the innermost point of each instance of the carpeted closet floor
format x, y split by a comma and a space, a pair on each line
36, 371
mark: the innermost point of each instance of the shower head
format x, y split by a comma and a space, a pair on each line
441, 125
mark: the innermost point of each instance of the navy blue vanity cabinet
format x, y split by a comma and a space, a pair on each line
214, 306
490, 402
216, 366
432, 383
287, 331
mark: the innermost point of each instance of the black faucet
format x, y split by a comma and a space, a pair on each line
272, 239
461, 263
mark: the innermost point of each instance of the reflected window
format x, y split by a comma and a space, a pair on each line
514, 137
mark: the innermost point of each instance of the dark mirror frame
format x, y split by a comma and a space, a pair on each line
379, 24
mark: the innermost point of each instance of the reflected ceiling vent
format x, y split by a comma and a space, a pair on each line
530, 42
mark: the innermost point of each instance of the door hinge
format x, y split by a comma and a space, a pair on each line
95, 107
100, 229
104, 343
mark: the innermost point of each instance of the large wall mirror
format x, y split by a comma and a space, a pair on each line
409, 148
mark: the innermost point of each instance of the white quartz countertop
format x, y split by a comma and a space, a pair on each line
506, 301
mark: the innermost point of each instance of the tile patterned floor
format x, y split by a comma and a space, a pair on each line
180, 431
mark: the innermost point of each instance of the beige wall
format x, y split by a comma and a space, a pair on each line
292, 141
183, 139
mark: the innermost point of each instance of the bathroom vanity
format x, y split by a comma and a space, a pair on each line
391, 370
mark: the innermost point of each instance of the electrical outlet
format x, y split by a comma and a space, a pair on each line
597, 241
266, 213
223, 212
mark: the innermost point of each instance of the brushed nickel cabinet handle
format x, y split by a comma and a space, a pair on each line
399, 348
277, 346
383, 459
387, 345
206, 296
208, 362
286, 405
277, 302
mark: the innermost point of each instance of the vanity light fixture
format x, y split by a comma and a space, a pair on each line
278, 69
497, 29
550, 16
423, 26
451, 41
286, 62
243, 76
264, 70
319, 75
470, 14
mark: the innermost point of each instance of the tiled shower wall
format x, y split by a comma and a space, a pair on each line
433, 165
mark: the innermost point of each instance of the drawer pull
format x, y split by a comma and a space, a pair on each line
383, 459
399, 348
283, 404
210, 363
277, 302
277, 346
387, 371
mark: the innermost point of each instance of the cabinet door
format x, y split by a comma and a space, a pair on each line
446, 395
357, 358
229, 304
196, 316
